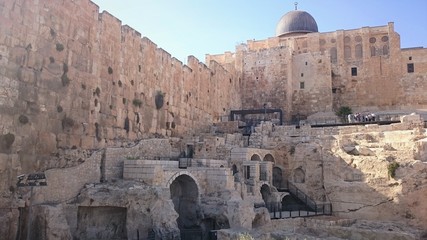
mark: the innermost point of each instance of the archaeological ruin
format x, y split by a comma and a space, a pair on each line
105, 135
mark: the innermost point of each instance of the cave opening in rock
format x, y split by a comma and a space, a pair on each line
185, 198
101, 223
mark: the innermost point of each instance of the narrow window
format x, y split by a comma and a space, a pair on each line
334, 90
306, 63
333, 52
301, 85
410, 68
385, 50
373, 51
353, 71
410, 58
302, 74
248, 172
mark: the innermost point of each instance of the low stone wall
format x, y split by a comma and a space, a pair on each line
161, 173
65, 184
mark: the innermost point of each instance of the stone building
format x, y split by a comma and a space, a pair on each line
304, 72
134, 144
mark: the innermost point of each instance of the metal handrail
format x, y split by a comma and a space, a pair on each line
311, 207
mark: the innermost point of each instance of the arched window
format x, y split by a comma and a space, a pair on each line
334, 57
385, 50
373, 51
358, 51
299, 175
234, 169
268, 158
347, 52
255, 157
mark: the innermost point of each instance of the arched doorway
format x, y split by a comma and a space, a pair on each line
185, 198
278, 178
234, 168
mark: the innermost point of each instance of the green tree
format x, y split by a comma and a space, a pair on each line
343, 111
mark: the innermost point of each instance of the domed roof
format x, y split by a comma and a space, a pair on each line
296, 22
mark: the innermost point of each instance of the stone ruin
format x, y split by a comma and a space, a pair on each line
153, 188
129, 143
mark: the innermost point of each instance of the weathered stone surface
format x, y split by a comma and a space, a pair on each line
49, 223
83, 81
146, 208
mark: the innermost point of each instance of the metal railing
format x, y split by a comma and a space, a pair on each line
278, 211
191, 234
310, 208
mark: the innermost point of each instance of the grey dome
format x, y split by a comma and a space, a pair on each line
296, 22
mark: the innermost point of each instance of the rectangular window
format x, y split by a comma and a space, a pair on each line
247, 172
410, 68
301, 85
353, 71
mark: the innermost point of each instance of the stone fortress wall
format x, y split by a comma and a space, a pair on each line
72, 77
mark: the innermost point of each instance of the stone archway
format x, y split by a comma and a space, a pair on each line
185, 197
278, 178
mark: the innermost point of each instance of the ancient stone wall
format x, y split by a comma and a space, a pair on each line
73, 78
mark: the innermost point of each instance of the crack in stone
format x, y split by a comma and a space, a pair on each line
365, 206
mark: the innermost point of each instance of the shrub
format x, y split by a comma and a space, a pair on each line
23, 119
8, 139
59, 47
392, 169
97, 91
159, 99
67, 122
137, 102
343, 111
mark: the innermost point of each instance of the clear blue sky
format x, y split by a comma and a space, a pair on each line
197, 27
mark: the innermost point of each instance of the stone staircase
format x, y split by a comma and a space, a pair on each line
301, 205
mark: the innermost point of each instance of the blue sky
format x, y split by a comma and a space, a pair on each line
198, 27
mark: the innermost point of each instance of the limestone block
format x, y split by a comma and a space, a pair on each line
46, 143
420, 152
240, 214
364, 151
